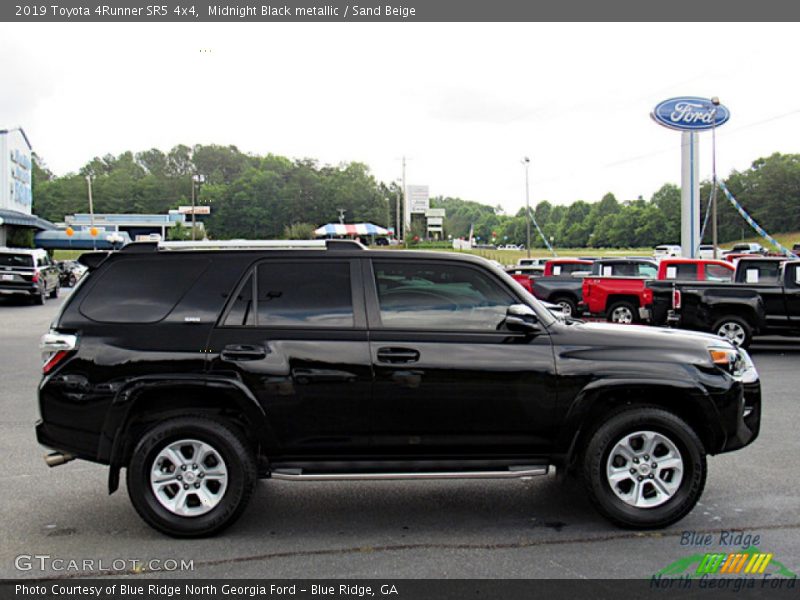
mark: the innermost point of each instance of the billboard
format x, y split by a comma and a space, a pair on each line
15, 171
418, 198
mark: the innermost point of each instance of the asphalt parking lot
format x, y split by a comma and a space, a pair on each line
460, 529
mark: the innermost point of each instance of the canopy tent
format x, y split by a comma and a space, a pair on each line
350, 229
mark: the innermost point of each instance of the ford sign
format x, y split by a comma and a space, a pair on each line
690, 113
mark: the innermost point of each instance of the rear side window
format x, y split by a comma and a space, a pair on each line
141, 290
16, 260
304, 294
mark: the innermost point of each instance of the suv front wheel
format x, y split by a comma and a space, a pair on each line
644, 468
191, 476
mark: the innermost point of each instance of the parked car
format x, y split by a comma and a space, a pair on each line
667, 251
533, 262
749, 248
796, 248
69, 272
28, 273
343, 363
627, 299
566, 266
763, 299
707, 251
524, 275
561, 283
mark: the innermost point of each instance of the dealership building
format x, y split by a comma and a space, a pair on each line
16, 193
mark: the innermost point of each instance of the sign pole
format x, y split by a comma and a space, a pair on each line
690, 193
690, 115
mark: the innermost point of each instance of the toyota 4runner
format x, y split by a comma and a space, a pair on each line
199, 371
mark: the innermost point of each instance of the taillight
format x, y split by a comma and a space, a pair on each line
647, 296
55, 348
53, 361
676, 299
35, 278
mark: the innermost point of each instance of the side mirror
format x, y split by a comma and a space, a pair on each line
521, 318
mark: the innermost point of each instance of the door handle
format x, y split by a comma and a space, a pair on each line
238, 352
397, 355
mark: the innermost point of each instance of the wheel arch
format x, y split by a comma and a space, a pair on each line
597, 403
149, 400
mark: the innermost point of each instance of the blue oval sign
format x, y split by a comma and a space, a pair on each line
690, 113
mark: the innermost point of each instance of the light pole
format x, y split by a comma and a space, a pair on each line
527, 161
197, 180
715, 102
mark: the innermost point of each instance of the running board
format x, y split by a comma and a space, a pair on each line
515, 472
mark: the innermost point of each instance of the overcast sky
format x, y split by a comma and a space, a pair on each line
464, 102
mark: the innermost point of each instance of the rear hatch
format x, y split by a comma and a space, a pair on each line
16, 271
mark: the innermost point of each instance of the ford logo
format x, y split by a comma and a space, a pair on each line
690, 113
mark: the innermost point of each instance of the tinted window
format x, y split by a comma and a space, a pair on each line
759, 273
242, 311
304, 294
682, 271
436, 296
16, 260
718, 273
141, 290
569, 268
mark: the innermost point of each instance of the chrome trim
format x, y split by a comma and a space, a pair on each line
512, 473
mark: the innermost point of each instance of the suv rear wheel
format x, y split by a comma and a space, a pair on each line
644, 468
191, 476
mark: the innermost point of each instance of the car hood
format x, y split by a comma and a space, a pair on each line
615, 342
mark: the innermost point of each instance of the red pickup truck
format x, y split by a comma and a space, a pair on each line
626, 299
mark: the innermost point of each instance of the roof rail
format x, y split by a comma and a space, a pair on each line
144, 247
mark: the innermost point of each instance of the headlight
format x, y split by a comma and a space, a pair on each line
735, 361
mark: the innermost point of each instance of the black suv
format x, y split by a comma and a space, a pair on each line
28, 273
199, 371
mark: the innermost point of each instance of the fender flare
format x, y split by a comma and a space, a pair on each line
574, 424
112, 443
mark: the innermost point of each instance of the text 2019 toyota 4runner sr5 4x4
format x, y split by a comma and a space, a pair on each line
199, 371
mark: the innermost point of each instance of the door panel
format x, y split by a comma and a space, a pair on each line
448, 379
295, 333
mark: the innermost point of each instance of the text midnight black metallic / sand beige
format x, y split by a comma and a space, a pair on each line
200, 369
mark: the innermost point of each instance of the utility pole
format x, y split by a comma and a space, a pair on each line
406, 207
527, 161
714, 241
193, 222
397, 234
92, 230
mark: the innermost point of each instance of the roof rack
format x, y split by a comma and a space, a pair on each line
143, 247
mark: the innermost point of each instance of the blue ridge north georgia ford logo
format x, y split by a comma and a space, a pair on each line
690, 113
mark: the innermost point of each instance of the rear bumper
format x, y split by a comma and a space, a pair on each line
68, 440
30, 289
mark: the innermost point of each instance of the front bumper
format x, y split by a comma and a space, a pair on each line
744, 423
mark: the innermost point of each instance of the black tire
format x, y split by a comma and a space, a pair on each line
239, 461
41, 299
622, 305
567, 303
54, 292
596, 459
734, 323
